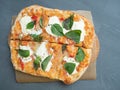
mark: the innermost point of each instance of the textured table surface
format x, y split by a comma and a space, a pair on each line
106, 17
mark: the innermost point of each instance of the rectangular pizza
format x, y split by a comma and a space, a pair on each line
51, 43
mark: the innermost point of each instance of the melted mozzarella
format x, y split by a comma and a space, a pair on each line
43, 53
48, 66
72, 60
34, 32
23, 22
27, 59
52, 20
79, 26
76, 26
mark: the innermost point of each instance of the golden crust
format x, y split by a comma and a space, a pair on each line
46, 13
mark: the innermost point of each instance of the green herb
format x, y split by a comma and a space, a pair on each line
80, 55
41, 22
74, 35
37, 62
45, 62
69, 67
67, 23
57, 30
36, 38
64, 47
30, 25
23, 53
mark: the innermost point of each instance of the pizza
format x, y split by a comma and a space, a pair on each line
43, 41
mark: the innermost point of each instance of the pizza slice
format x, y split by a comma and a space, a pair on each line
55, 61
65, 27
39, 59
74, 63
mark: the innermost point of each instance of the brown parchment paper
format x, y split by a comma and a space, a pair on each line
90, 73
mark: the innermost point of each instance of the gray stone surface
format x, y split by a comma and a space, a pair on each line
106, 17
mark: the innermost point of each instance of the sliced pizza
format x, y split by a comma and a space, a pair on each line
65, 27
55, 61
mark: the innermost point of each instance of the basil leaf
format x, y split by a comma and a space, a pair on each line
37, 62
69, 67
57, 30
41, 22
30, 25
64, 47
23, 53
80, 55
74, 35
45, 62
67, 23
36, 38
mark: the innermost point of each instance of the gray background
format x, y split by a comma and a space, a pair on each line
106, 17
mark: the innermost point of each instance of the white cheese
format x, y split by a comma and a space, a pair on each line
52, 20
79, 26
27, 59
23, 22
43, 53
48, 66
65, 31
72, 60
37, 32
